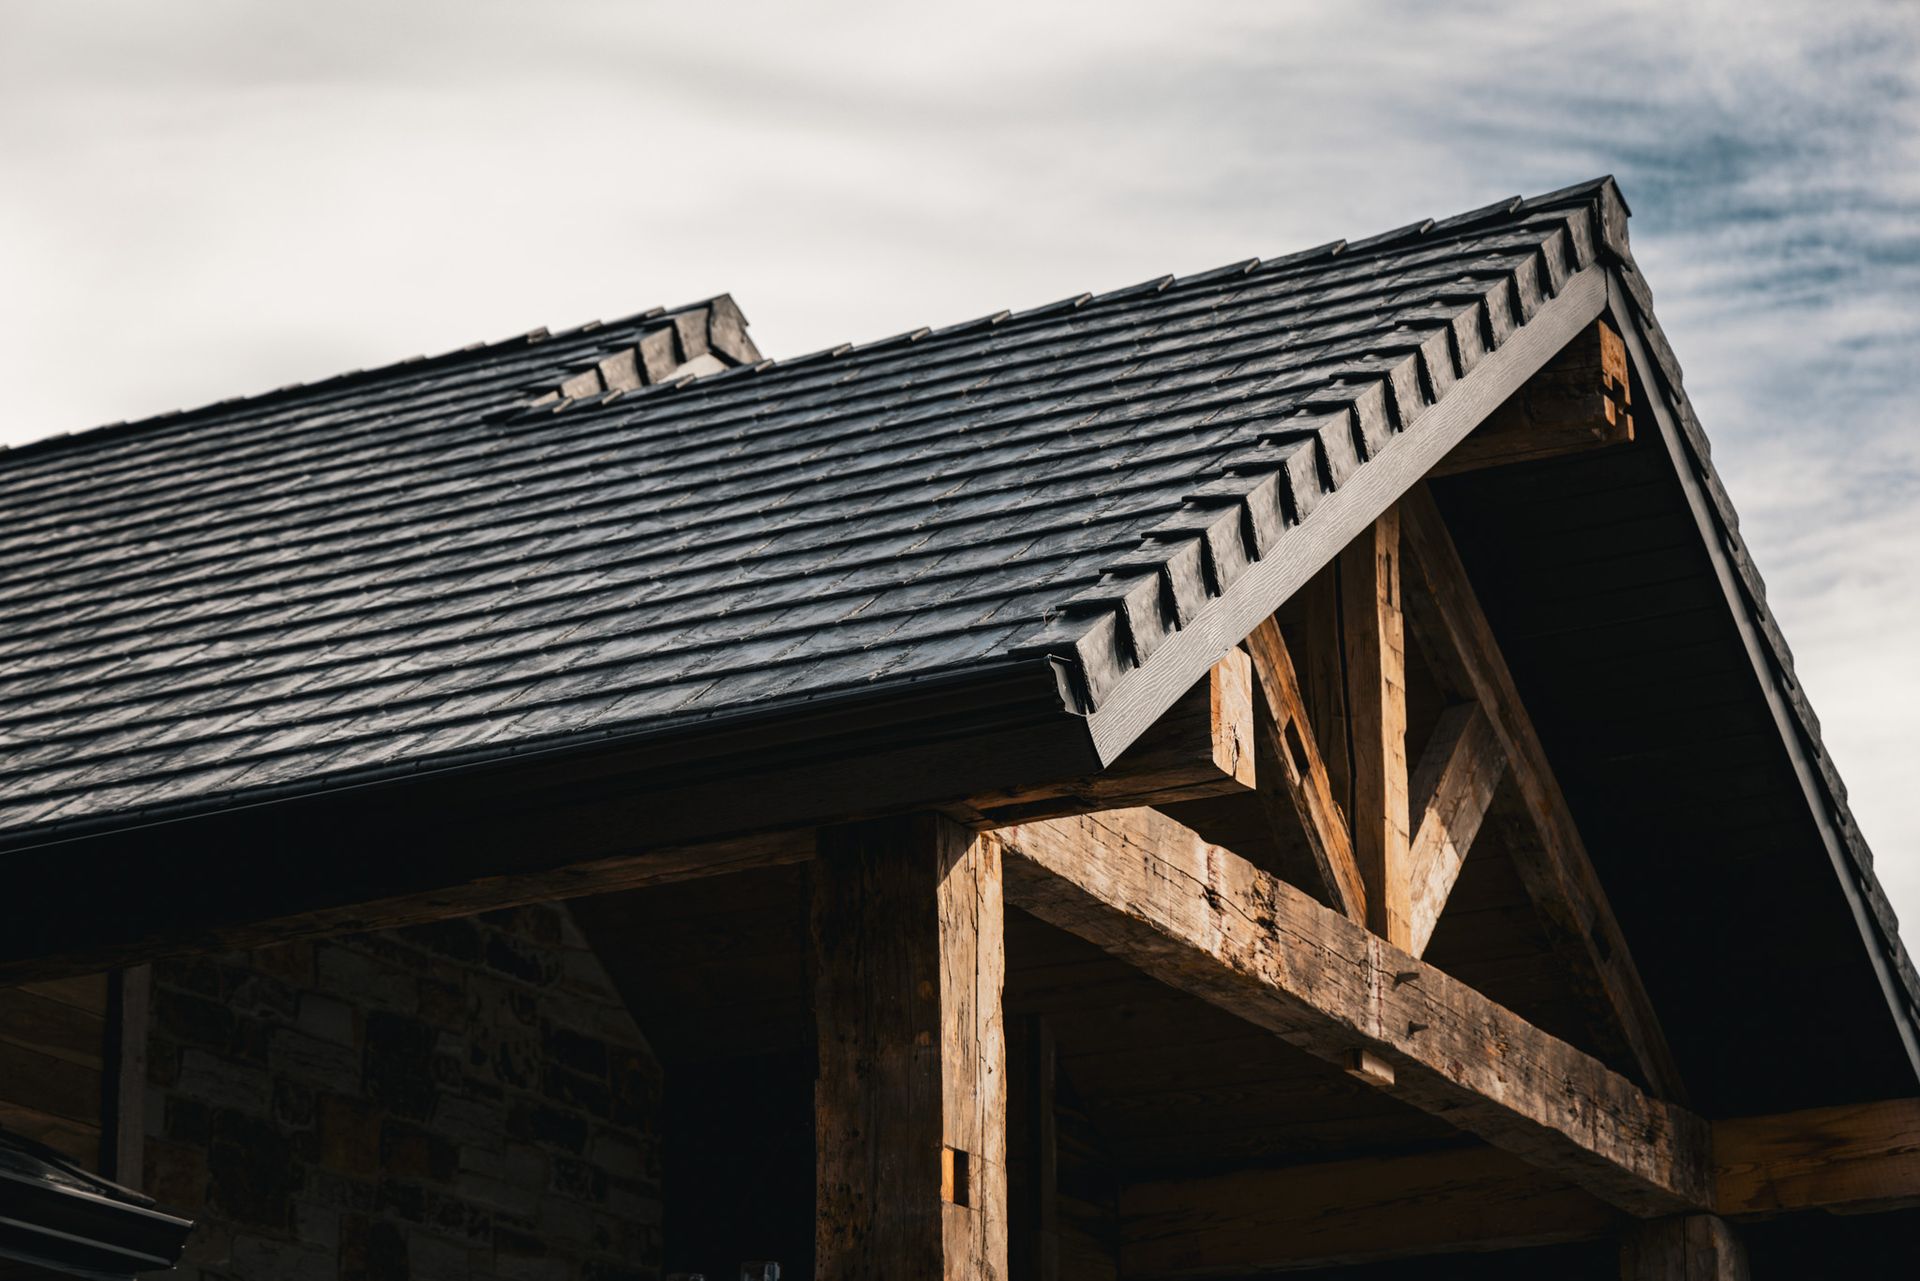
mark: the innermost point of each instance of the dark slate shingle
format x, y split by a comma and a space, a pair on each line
440, 557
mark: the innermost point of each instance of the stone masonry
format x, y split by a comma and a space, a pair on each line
467, 1099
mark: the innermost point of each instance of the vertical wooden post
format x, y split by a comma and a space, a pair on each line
1693, 1247
910, 1101
1377, 703
1033, 1213
123, 1083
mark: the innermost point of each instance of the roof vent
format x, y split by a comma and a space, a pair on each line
691, 342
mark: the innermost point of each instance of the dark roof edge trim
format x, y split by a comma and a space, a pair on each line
1009, 696
1139, 699
1772, 663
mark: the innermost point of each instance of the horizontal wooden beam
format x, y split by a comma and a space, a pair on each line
1203, 919
1335, 1213
1855, 1159
1850, 1159
1203, 746
1580, 401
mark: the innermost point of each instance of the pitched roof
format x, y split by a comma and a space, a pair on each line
379, 571
484, 555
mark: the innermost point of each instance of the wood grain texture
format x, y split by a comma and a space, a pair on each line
1203, 746
1325, 679
910, 1100
1452, 787
1556, 868
58, 1087
1204, 920
78, 1141
1376, 666
1337, 1213
1863, 1156
52, 1027
1580, 401
1694, 1247
1302, 794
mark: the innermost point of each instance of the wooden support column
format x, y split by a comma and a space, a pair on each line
1692, 1247
910, 1102
1377, 703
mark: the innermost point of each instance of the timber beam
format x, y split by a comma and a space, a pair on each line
1336, 1213
1203, 746
1688, 1247
1853, 1159
1376, 667
1580, 401
1856, 1159
1202, 919
1290, 760
1552, 859
1452, 788
910, 1104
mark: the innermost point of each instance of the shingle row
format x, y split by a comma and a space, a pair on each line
458, 557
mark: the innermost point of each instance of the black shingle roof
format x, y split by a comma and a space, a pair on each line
436, 558
484, 554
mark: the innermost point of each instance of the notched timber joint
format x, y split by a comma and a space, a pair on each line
1368, 1067
955, 1182
1580, 400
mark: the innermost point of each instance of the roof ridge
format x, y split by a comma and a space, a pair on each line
61, 441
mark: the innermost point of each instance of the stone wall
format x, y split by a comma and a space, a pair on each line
462, 1100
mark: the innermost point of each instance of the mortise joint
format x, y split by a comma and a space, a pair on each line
1365, 1065
954, 1178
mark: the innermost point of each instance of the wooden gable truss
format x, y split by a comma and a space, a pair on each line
1321, 946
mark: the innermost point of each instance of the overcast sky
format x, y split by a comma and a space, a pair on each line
204, 198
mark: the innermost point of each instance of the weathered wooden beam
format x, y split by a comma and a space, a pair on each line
1855, 1159
1335, 1213
1325, 679
1859, 1157
1203, 919
1556, 869
1377, 708
910, 1100
1579, 401
1693, 1247
1203, 746
1301, 796
1451, 789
